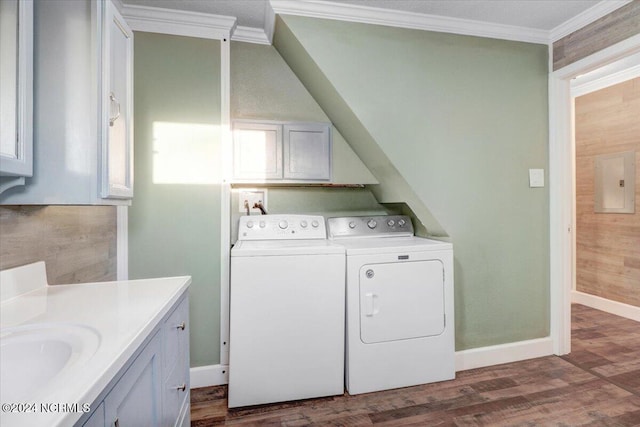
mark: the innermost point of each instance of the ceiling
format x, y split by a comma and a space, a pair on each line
533, 14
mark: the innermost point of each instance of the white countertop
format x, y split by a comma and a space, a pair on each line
122, 313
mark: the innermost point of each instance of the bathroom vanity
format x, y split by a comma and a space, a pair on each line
99, 354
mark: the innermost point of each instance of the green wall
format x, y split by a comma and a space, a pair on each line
174, 222
461, 119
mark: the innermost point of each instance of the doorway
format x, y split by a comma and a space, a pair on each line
562, 185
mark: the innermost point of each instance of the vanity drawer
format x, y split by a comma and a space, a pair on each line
175, 340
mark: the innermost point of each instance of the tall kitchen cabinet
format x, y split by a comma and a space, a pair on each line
83, 106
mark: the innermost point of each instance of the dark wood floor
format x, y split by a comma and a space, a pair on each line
598, 384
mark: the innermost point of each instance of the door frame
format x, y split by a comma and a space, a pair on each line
562, 185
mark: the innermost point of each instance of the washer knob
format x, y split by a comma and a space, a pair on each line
303, 224
352, 224
314, 224
372, 224
262, 224
401, 222
249, 224
391, 223
283, 224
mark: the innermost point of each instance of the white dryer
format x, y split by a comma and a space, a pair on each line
287, 311
400, 318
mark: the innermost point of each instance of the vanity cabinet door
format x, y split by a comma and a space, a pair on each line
135, 400
117, 105
175, 395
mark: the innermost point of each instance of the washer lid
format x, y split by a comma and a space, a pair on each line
382, 245
285, 247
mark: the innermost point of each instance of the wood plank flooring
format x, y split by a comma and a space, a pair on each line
598, 384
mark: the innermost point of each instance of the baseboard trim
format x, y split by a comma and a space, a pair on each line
503, 353
206, 376
614, 307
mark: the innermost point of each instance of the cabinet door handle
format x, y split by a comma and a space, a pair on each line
112, 99
181, 326
116, 423
183, 387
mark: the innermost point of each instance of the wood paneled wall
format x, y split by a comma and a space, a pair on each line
78, 243
606, 31
608, 245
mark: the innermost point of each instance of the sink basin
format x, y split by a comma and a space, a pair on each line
34, 358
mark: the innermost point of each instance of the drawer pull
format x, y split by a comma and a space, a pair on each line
183, 387
181, 326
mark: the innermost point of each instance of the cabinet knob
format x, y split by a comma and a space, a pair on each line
181, 326
183, 387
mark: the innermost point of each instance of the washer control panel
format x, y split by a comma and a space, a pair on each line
281, 227
370, 226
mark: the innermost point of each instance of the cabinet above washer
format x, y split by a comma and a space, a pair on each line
269, 151
279, 152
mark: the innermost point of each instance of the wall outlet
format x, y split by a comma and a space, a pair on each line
252, 198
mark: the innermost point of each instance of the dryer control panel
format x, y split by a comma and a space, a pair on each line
281, 227
370, 226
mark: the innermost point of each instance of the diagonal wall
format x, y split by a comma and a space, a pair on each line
452, 123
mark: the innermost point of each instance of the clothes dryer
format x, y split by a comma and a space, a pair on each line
400, 312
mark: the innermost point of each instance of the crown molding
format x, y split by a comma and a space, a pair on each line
178, 22
402, 19
585, 18
250, 35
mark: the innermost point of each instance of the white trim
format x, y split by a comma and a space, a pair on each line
614, 307
503, 353
269, 21
617, 73
250, 35
122, 242
225, 196
403, 19
561, 187
585, 18
178, 22
207, 376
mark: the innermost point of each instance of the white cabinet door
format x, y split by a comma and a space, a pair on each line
117, 104
175, 361
257, 151
135, 399
16, 65
307, 152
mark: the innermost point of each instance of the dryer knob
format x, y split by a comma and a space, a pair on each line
283, 224
352, 224
263, 224
315, 224
391, 223
303, 224
372, 224
249, 224
401, 222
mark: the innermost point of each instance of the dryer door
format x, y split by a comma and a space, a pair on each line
401, 301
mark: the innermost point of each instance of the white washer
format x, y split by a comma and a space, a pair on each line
287, 311
400, 319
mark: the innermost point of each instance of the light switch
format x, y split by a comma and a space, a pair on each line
536, 178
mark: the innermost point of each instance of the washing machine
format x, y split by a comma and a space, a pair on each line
287, 311
400, 318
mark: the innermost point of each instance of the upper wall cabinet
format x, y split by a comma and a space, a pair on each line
281, 152
83, 106
16, 92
